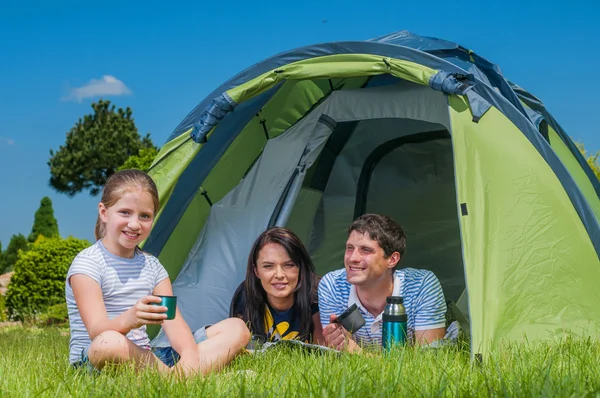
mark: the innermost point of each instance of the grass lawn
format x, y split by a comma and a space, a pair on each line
33, 362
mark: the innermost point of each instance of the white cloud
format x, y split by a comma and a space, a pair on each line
107, 85
7, 141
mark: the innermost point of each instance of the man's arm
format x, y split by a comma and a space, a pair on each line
429, 335
327, 303
334, 335
430, 319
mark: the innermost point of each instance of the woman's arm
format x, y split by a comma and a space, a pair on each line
90, 303
317, 330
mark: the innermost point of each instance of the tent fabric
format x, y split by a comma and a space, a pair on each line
570, 161
419, 128
388, 45
537, 105
184, 193
220, 107
315, 51
217, 262
532, 280
385, 113
195, 169
460, 84
468, 60
234, 222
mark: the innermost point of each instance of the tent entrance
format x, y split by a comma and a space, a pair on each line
399, 167
307, 179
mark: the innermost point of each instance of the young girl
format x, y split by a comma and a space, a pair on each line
278, 297
112, 284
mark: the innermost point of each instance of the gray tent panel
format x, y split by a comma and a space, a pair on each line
409, 185
217, 263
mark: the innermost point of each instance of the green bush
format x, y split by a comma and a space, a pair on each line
39, 278
55, 315
2, 309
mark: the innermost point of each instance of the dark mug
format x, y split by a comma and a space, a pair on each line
170, 302
351, 319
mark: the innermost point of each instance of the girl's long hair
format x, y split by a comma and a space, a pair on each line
256, 297
120, 183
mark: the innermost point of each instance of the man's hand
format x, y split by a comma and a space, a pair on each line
337, 337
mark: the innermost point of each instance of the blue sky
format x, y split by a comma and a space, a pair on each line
162, 58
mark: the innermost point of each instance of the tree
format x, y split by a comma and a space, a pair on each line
44, 222
2, 309
95, 147
10, 256
591, 159
1, 261
142, 161
39, 278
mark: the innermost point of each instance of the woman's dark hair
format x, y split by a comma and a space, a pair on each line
256, 297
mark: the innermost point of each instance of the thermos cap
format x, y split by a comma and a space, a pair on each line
394, 300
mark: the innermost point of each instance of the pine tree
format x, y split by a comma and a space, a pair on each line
1, 261
10, 256
44, 223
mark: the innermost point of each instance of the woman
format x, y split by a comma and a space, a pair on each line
278, 299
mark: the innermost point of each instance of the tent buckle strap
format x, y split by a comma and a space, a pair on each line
263, 122
461, 84
388, 65
205, 194
212, 115
327, 121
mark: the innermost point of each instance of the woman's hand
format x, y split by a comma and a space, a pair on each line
145, 313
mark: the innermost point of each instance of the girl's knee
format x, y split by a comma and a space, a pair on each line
241, 330
234, 328
111, 337
108, 345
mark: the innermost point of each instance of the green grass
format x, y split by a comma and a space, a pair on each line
33, 362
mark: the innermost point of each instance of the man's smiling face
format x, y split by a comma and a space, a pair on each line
365, 260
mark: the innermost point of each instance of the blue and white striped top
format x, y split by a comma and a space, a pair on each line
423, 299
123, 282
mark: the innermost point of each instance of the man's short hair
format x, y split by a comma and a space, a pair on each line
382, 229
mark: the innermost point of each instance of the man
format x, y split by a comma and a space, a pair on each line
374, 247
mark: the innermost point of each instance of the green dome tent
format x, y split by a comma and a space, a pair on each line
494, 196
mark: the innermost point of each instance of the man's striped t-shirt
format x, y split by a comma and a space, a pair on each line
123, 282
422, 293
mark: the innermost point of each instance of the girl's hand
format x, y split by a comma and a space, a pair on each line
145, 313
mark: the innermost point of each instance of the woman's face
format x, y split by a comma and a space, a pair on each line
277, 273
